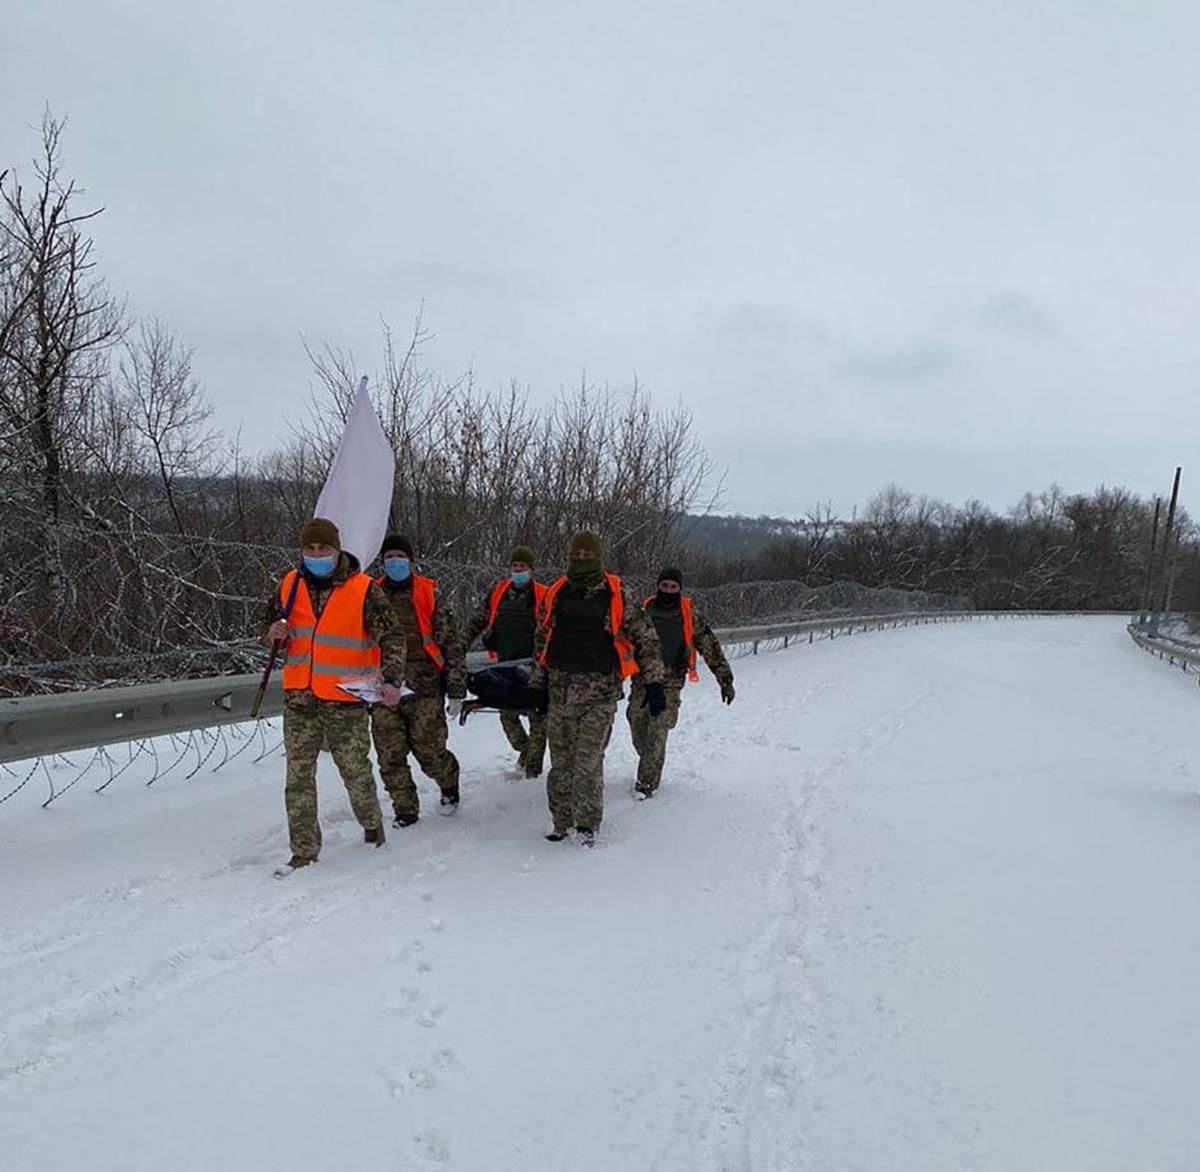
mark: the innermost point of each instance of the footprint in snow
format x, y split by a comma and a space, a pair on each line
431, 1015
403, 953
404, 1003
431, 1145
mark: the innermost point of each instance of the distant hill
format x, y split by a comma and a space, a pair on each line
736, 537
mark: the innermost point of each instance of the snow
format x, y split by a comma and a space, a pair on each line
922, 899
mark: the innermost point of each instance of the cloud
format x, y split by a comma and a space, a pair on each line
444, 278
1010, 312
758, 328
916, 361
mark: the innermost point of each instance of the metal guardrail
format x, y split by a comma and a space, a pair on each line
1185, 658
832, 625
37, 726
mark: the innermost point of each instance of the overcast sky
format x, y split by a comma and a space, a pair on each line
949, 243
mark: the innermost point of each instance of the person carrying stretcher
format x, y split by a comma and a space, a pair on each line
506, 618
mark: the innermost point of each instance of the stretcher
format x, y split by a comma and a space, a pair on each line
503, 687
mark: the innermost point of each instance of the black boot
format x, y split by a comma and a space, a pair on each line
585, 836
557, 835
404, 820
449, 802
375, 836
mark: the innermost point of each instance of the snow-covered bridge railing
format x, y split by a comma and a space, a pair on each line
1176, 654
37, 726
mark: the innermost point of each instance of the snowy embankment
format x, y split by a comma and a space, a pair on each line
920, 900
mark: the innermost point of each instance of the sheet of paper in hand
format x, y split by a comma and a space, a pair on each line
365, 688
369, 689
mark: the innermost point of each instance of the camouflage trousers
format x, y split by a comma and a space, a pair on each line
417, 726
650, 735
306, 726
530, 745
578, 734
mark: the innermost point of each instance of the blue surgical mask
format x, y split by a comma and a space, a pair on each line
320, 567
521, 577
397, 569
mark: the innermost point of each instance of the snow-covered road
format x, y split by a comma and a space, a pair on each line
923, 899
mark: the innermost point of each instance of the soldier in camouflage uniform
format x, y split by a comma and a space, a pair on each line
593, 636
315, 711
683, 632
507, 618
434, 670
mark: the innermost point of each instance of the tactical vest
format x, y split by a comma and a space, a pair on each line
676, 632
584, 635
513, 618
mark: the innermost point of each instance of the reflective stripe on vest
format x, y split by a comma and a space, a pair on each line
324, 652
539, 600
626, 663
689, 632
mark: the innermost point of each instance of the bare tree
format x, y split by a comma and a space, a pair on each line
169, 415
57, 322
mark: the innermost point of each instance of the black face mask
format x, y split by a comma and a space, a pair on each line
667, 601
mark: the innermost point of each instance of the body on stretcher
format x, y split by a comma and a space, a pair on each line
503, 687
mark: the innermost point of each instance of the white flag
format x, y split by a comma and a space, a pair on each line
357, 496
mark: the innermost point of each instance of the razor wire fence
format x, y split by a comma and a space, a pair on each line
129, 606
153, 759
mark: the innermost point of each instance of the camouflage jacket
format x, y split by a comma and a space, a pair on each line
707, 645
378, 619
422, 675
594, 687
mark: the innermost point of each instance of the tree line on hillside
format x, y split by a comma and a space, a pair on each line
1053, 551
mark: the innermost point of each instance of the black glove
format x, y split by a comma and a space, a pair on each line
727, 692
542, 704
655, 700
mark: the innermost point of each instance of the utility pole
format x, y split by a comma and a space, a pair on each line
1168, 537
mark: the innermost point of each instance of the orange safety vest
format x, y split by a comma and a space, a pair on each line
324, 652
616, 616
689, 631
423, 605
539, 600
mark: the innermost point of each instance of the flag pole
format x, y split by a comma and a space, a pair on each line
276, 646
357, 498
